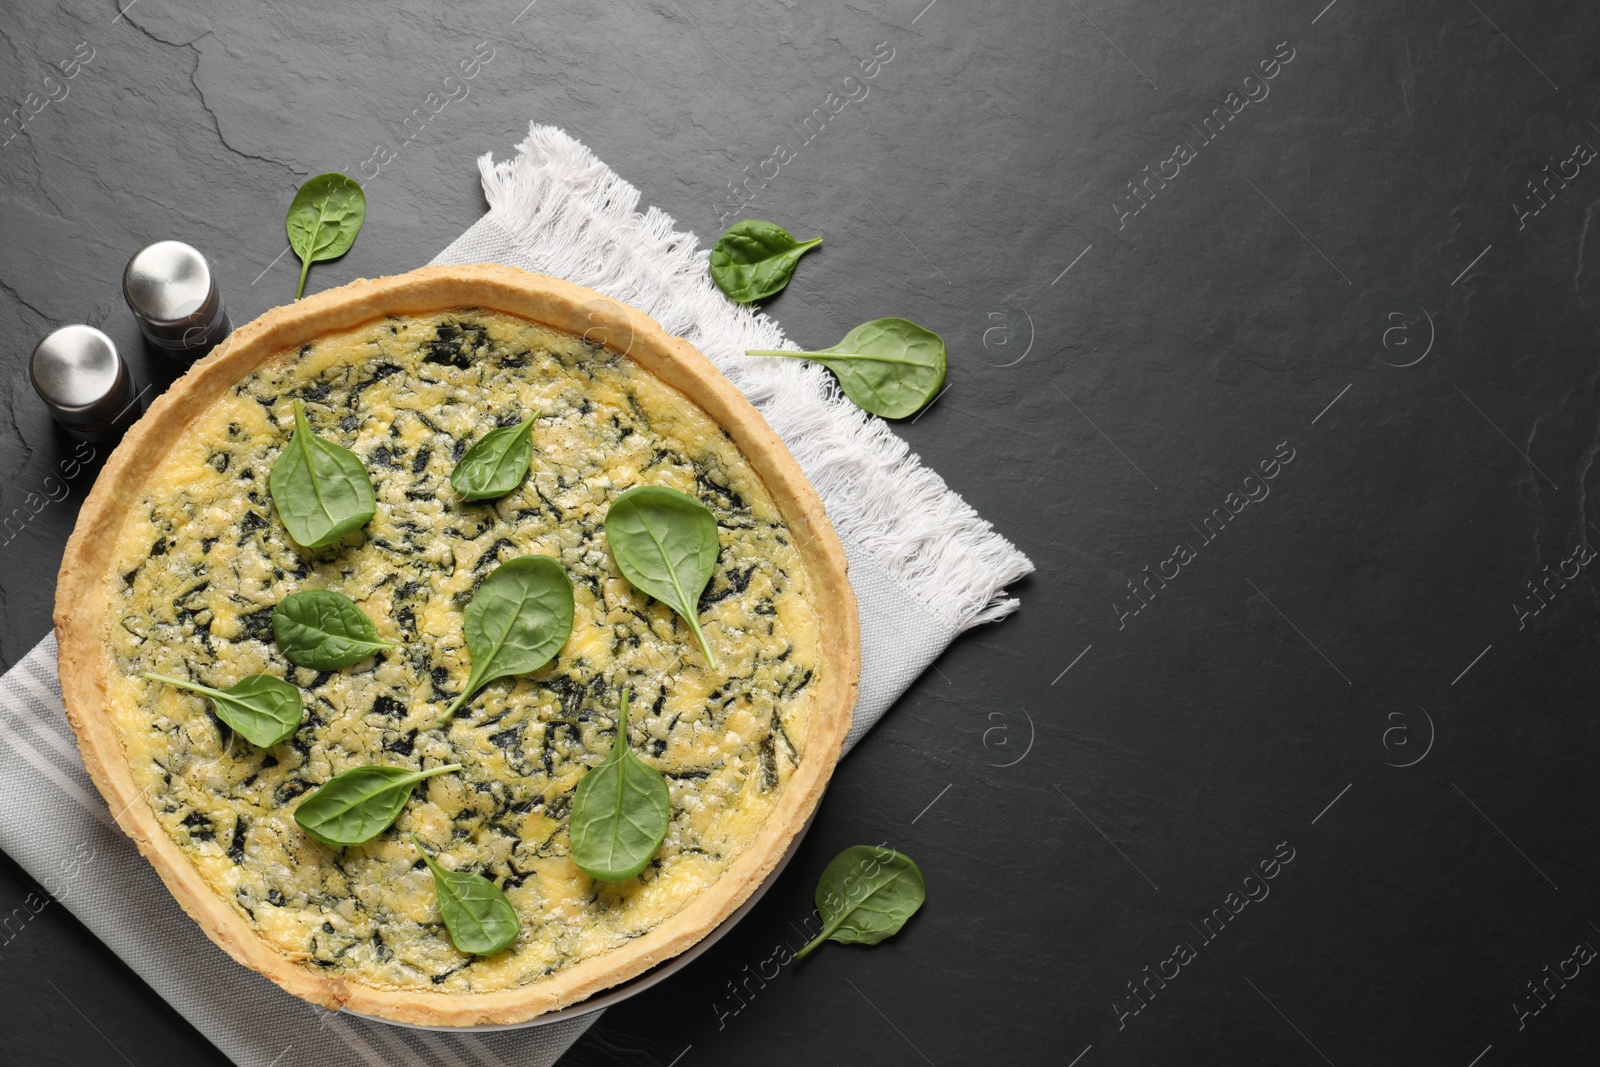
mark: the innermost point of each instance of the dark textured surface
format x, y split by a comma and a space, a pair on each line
1380, 577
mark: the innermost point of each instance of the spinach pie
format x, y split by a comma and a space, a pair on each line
183, 598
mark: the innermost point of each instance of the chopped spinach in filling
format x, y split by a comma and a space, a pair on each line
202, 560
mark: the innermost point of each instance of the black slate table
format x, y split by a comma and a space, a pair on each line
1272, 331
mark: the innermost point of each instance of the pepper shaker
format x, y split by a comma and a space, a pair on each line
172, 293
85, 383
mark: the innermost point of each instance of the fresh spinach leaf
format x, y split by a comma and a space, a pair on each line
620, 812
865, 895
361, 803
497, 463
261, 709
890, 367
321, 490
324, 630
516, 623
666, 545
480, 919
754, 259
324, 218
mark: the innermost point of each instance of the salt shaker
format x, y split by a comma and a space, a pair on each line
172, 293
85, 383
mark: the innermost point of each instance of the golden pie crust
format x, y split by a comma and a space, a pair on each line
83, 619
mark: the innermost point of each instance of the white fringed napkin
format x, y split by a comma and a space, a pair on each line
924, 566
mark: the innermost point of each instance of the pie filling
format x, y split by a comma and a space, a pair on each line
202, 558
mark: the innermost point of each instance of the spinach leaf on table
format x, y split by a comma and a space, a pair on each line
497, 463
321, 490
516, 623
324, 630
754, 259
260, 708
666, 544
361, 803
480, 919
890, 367
620, 812
324, 218
865, 895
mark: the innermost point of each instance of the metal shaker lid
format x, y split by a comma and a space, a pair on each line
80, 376
166, 283
170, 290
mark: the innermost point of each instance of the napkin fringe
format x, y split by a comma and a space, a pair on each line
578, 219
